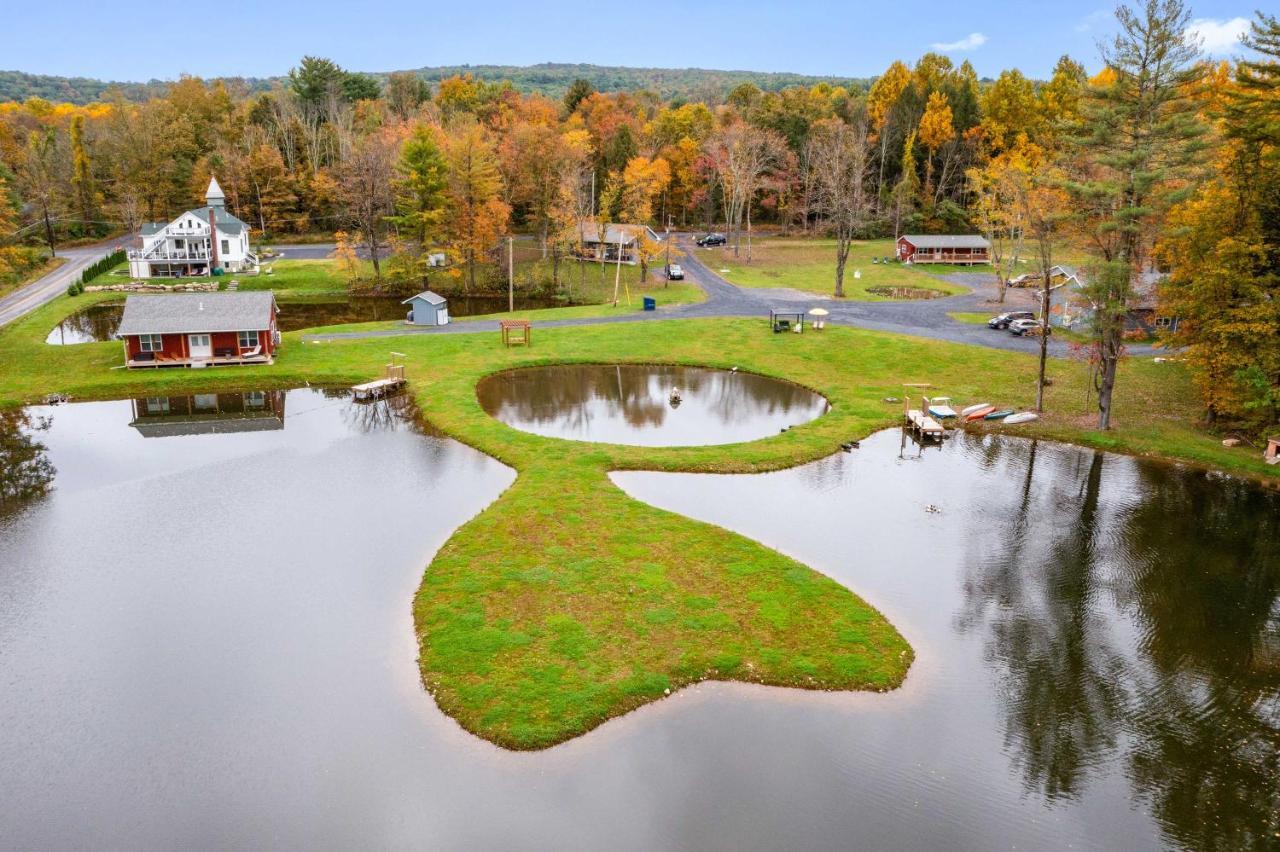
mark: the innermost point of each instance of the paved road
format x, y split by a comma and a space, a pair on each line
922, 318
49, 287
312, 251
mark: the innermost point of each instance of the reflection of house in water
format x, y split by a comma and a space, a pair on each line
208, 414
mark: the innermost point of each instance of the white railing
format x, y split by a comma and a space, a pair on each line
155, 254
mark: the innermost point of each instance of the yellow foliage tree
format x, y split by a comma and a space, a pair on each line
936, 129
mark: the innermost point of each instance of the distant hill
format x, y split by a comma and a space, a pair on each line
548, 78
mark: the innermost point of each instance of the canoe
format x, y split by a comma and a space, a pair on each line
1022, 417
978, 413
999, 415
969, 409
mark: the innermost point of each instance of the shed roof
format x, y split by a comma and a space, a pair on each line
945, 241
428, 297
589, 232
183, 313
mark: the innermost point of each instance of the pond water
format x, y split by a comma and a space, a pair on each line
1097, 639
206, 642
632, 404
100, 322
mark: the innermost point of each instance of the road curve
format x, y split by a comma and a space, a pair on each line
48, 287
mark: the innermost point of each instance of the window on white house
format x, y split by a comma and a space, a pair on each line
150, 342
248, 339
226, 247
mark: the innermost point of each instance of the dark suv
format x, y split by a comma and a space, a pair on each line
712, 240
1002, 321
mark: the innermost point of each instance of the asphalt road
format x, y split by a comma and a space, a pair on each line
921, 318
49, 287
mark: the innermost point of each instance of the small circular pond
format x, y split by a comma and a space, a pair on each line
647, 404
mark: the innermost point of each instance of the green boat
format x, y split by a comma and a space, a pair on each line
999, 415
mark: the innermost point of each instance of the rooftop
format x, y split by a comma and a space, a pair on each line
946, 241
186, 313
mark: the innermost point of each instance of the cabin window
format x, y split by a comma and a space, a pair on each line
1164, 322
157, 405
255, 399
248, 339
150, 342
226, 247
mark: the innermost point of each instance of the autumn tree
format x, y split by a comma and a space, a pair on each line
743, 155
936, 129
42, 181
366, 187
84, 188
1142, 137
841, 163
406, 91
477, 215
995, 188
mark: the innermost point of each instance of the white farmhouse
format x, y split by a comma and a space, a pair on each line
189, 246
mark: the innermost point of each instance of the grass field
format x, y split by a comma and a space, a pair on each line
566, 603
810, 265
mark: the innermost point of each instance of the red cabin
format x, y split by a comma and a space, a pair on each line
199, 329
964, 249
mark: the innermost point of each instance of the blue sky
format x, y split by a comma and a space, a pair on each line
140, 42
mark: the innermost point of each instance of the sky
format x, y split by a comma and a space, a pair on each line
131, 42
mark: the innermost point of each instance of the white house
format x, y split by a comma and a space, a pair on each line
190, 246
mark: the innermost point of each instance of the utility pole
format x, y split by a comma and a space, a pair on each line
511, 275
617, 273
667, 282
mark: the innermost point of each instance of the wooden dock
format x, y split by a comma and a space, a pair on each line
393, 382
924, 425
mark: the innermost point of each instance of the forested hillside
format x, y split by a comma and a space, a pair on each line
551, 79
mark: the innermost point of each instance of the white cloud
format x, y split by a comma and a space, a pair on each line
970, 42
1217, 36
1092, 19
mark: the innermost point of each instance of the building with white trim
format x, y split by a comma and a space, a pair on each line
196, 243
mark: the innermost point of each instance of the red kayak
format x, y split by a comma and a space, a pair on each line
980, 413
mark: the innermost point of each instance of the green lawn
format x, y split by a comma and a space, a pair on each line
809, 265
970, 318
566, 603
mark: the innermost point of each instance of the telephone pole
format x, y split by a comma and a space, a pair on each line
511, 275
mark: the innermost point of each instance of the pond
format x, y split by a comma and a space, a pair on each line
100, 322
206, 641
633, 403
1097, 639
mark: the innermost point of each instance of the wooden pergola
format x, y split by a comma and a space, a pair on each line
516, 332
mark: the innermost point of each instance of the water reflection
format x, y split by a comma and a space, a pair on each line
208, 414
647, 405
26, 474
1116, 622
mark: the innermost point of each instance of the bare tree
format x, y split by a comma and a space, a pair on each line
367, 180
842, 161
743, 155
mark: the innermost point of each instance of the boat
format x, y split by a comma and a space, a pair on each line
999, 415
940, 407
1022, 417
969, 409
978, 413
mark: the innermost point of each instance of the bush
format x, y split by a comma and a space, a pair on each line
73, 289
93, 270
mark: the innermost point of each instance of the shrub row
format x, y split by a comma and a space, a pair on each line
95, 270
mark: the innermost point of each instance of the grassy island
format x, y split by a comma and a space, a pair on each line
566, 603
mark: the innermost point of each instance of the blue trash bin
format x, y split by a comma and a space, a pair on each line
650, 304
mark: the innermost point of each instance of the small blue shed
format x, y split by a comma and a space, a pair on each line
427, 308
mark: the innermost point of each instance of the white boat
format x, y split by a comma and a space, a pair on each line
940, 407
1022, 417
969, 409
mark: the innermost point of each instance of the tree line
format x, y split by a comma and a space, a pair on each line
1161, 162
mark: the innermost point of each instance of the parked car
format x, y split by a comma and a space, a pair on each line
712, 240
1004, 319
1028, 327
675, 273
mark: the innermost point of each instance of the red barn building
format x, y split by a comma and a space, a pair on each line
965, 249
199, 329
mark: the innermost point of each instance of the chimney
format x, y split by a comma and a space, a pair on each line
213, 240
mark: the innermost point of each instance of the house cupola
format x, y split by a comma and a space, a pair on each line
213, 196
